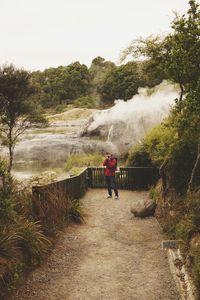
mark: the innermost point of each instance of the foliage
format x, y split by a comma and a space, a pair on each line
195, 257
153, 193
183, 57
176, 56
175, 144
32, 241
155, 147
75, 211
7, 181
8, 241
150, 53
56, 85
17, 113
121, 83
183, 224
52, 213
178, 137
98, 71
23, 240
138, 156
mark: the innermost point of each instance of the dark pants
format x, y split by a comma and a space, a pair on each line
111, 184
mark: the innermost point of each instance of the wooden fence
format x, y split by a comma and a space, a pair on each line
130, 178
72, 188
50, 202
47, 199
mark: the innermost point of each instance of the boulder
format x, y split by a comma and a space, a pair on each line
146, 211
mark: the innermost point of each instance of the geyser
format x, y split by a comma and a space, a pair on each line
126, 123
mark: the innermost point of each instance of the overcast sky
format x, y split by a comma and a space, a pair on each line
37, 34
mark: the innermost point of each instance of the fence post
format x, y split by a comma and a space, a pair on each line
89, 177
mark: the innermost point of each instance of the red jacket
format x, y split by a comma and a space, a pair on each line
110, 166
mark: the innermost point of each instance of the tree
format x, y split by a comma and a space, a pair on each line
77, 82
121, 83
17, 113
150, 55
98, 71
54, 85
175, 57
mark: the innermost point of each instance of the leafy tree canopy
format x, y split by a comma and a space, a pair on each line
176, 56
57, 84
121, 83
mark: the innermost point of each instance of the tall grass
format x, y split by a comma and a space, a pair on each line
54, 209
26, 225
32, 241
8, 241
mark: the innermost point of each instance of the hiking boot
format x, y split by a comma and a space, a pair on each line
109, 196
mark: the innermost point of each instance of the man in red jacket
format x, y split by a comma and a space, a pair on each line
111, 164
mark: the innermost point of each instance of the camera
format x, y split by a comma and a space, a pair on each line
108, 155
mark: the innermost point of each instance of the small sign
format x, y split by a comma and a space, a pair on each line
170, 244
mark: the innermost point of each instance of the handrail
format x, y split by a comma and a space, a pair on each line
130, 178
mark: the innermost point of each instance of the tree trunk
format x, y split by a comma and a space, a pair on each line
163, 177
180, 100
182, 93
190, 184
10, 147
10, 158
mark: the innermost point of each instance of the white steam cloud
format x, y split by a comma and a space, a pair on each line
127, 122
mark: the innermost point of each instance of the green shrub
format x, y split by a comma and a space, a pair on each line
7, 210
75, 211
23, 202
185, 228
8, 241
195, 258
138, 156
180, 163
33, 243
164, 143
159, 142
153, 194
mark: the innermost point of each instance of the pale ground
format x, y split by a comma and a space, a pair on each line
113, 256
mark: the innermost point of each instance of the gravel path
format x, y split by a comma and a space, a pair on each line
113, 256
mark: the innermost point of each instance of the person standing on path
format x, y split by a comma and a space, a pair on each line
111, 165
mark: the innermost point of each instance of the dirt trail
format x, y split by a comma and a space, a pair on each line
113, 256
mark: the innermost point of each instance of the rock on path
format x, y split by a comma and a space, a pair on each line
112, 257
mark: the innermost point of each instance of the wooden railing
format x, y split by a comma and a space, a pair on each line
67, 189
129, 178
75, 187
72, 188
